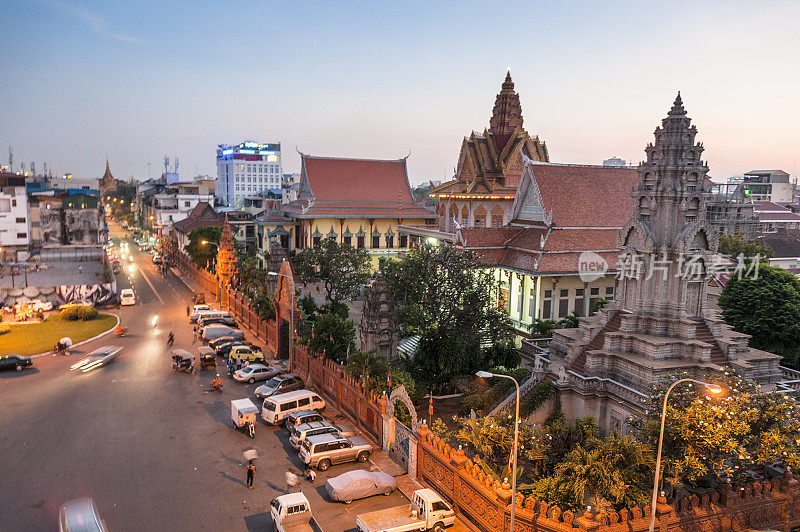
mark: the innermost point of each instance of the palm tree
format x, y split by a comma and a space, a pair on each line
365, 365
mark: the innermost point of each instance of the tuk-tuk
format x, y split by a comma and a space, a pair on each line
182, 360
208, 359
243, 414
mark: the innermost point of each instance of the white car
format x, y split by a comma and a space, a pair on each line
212, 332
127, 297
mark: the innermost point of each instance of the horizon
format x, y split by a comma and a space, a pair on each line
86, 81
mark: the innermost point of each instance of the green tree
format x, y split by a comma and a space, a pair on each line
252, 279
264, 305
445, 296
125, 193
367, 366
766, 305
331, 326
599, 303
570, 321
342, 269
710, 439
204, 255
735, 245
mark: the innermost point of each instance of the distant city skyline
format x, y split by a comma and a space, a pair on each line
83, 81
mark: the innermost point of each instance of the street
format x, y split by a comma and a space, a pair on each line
151, 446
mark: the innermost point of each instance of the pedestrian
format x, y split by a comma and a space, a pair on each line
310, 474
238, 362
194, 334
188, 311
251, 471
230, 366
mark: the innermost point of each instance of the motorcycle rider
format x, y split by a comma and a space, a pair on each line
170, 339
216, 383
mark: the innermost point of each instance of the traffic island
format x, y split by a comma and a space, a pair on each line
32, 338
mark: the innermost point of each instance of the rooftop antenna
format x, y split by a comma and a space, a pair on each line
166, 164
33, 169
148, 166
10, 160
176, 165
45, 169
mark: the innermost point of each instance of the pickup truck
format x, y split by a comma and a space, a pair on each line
323, 450
292, 513
427, 512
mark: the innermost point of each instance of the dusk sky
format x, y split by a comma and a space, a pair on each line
144, 79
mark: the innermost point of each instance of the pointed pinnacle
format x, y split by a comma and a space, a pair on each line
677, 106
508, 83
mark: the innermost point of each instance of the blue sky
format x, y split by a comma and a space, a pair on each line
132, 80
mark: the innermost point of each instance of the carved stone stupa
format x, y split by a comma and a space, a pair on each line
379, 328
227, 263
660, 323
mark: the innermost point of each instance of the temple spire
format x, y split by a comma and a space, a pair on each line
507, 113
677, 107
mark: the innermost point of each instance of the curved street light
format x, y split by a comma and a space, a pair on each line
487, 374
291, 328
713, 388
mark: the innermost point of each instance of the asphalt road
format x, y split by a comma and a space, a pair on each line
151, 446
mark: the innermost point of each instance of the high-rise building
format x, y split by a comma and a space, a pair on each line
246, 170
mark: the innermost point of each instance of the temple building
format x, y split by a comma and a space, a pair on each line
563, 215
489, 168
107, 182
659, 323
358, 202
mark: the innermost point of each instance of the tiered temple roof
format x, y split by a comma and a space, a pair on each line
490, 164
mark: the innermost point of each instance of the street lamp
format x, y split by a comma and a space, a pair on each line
713, 388
291, 329
204, 242
487, 374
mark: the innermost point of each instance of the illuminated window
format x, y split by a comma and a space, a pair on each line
272, 158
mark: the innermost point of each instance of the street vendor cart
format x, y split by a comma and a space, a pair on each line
243, 414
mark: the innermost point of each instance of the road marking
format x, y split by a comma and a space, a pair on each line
149, 283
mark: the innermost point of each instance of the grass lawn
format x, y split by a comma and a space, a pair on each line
40, 337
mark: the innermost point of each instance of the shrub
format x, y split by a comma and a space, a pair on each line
79, 313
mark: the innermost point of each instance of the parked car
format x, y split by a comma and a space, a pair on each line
292, 513
300, 417
427, 511
325, 450
203, 321
279, 384
298, 433
223, 346
127, 297
15, 361
359, 484
38, 305
247, 353
196, 310
217, 331
253, 372
222, 340
80, 515
97, 358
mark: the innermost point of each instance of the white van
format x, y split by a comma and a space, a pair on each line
276, 407
208, 314
196, 310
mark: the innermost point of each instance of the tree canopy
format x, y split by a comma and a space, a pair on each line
709, 439
453, 304
735, 245
203, 255
767, 307
342, 269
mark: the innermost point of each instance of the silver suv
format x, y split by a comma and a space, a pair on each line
324, 450
298, 433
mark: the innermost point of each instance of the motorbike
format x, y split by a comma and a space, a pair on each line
119, 332
216, 386
170, 340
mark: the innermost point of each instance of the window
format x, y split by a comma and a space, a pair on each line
531, 302
347, 240
403, 241
315, 241
390, 241
564, 293
376, 241
610, 291
303, 402
360, 242
439, 506
186, 203
546, 304
497, 220
594, 291
22, 235
288, 406
579, 301
20, 220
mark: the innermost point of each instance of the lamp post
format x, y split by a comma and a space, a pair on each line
291, 329
206, 242
487, 374
713, 388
